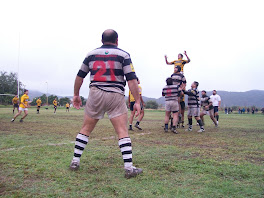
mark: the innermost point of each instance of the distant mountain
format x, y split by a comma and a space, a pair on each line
33, 94
248, 98
229, 99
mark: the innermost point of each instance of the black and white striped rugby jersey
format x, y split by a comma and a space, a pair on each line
178, 79
206, 101
193, 98
171, 92
109, 67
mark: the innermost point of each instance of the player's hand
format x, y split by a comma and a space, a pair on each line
137, 108
77, 102
165, 56
185, 53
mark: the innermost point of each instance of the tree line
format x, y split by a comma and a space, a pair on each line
61, 101
8, 89
8, 85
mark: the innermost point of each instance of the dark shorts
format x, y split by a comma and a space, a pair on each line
55, 107
215, 109
67, 107
182, 103
38, 106
16, 106
132, 106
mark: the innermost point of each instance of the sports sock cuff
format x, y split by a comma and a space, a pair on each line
126, 141
84, 135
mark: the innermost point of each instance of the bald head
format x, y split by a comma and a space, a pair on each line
109, 37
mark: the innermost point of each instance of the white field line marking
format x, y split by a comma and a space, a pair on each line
64, 143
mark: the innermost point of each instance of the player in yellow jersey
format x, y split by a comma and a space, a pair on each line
180, 62
67, 107
38, 104
24, 104
55, 103
131, 102
15, 102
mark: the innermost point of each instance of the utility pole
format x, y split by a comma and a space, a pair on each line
47, 95
18, 65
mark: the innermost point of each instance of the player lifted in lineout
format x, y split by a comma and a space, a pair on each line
194, 106
15, 102
180, 62
171, 93
108, 66
131, 102
38, 104
24, 104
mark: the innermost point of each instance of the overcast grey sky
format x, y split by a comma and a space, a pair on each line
224, 40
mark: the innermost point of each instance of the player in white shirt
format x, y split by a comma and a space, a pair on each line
216, 100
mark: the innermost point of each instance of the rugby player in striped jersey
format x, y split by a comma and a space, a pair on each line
171, 93
194, 106
208, 108
109, 68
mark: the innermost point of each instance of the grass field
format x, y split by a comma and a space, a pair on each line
222, 162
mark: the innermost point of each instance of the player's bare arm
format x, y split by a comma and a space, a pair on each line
183, 86
185, 53
142, 101
76, 98
133, 86
128, 100
168, 63
181, 92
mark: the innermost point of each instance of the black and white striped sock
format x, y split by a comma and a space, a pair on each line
80, 144
126, 150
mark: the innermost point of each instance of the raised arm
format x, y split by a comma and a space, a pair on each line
168, 63
185, 53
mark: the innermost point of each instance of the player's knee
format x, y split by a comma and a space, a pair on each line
197, 117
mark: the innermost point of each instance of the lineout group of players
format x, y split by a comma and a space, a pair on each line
174, 93
23, 105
